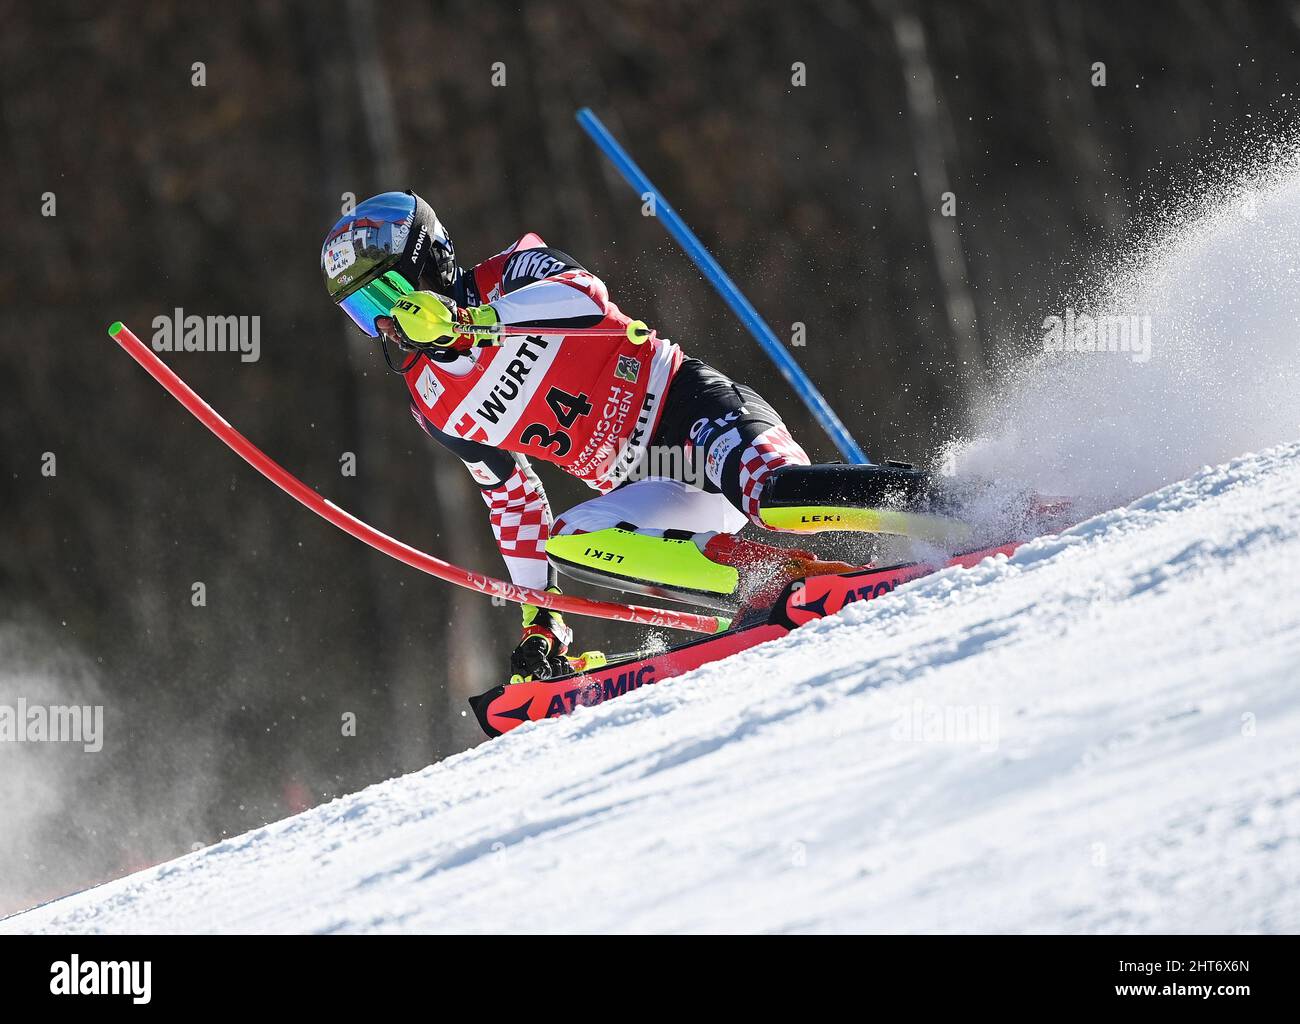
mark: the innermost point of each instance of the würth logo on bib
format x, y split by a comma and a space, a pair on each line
491, 409
510, 385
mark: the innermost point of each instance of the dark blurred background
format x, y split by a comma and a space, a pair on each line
823, 200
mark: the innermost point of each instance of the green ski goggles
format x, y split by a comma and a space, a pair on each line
375, 299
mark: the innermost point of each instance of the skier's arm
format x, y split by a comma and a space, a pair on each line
549, 288
542, 289
574, 298
517, 505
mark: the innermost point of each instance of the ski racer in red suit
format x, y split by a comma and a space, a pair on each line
599, 407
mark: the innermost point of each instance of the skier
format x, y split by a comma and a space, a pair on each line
679, 453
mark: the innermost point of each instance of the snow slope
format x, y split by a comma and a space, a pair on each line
1101, 734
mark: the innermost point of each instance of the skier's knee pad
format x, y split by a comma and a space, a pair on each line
891, 484
627, 558
892, 498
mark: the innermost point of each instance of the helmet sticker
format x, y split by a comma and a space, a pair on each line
339, 256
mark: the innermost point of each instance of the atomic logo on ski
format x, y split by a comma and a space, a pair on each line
817, 607
519, 714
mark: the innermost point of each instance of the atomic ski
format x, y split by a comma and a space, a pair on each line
505, 707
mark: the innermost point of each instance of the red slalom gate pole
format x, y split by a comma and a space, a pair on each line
366, 533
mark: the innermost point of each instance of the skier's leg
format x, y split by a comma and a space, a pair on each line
655, 504
669, 539
749, 456
730, 431
650, 536
675, 538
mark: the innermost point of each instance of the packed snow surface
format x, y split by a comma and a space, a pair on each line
1101, 734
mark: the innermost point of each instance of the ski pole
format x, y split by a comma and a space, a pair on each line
366, 533
637, 332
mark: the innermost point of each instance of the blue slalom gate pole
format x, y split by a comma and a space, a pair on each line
726, 287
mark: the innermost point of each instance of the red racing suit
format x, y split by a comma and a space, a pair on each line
588, 404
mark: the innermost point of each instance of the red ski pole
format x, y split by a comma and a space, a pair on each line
349, 523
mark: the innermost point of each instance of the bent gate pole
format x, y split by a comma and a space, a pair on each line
348, 523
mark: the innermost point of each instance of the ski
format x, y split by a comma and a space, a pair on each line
507, 706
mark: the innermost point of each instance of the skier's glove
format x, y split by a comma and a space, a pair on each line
546, 639
427, 318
